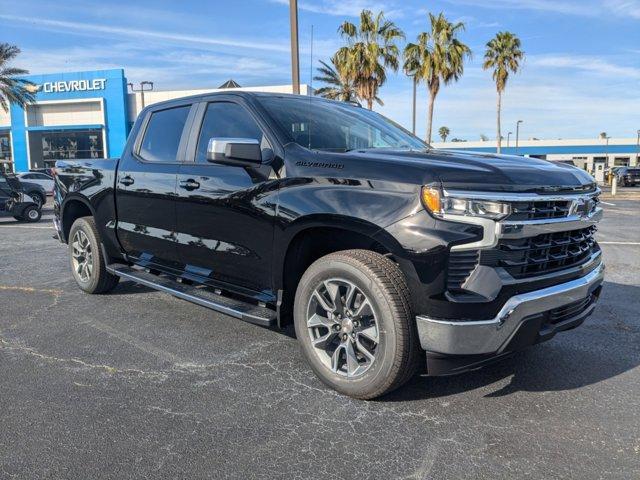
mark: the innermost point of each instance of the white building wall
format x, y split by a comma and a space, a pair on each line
5, 118
65, 113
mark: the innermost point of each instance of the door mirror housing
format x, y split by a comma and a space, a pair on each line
234, 151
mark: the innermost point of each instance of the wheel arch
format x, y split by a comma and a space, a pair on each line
74, 207
311, 238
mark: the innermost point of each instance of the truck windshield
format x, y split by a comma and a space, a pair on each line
335, 126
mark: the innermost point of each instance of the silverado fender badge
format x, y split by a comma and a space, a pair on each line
337, 166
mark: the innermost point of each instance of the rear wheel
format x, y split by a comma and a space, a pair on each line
88, 263
354, 322
38, 198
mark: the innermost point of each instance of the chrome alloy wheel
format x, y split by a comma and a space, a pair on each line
32, 214
81, 256
343, 327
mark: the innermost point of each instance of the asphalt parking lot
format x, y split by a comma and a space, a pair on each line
139, 384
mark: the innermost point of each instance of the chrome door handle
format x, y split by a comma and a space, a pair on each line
126, 181
190, 184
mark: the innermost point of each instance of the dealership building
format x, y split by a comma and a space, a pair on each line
81, 115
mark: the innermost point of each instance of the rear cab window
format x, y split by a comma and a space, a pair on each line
163, 133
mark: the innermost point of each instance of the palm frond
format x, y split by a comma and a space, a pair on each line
12, 88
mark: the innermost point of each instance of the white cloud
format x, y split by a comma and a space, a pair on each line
591, 64
347, 8
93, 29
582, 7
628, 8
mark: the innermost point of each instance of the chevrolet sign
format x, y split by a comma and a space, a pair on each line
74, 85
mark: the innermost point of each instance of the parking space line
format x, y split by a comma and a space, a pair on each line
23, 226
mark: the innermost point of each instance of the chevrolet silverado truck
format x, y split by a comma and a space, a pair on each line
382, 251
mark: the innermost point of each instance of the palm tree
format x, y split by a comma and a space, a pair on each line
339, 84
444, 133
437, 58
504, 56
12, 89
371, 49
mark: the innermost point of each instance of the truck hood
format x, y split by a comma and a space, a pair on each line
471, 170
453, 169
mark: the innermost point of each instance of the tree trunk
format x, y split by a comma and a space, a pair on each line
370, 103
499, 133
432, 99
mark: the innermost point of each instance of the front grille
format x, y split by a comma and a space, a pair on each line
547, 253
539, 210
461, 264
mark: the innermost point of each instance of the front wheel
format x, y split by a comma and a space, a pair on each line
355, 325
88, 263
31, 214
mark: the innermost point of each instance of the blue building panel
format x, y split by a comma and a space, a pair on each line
108, 85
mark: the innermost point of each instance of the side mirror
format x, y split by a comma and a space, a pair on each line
234, 151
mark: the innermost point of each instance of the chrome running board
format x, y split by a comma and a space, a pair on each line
199, 295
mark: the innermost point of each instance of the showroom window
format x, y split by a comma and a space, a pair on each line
6, 161
45, 148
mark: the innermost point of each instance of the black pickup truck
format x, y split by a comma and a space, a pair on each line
381, 250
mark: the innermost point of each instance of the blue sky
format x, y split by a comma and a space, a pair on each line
581, 75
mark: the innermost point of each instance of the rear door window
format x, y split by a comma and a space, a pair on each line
163, 133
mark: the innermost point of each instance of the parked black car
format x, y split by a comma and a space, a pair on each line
378, 248
15, 201
628, 176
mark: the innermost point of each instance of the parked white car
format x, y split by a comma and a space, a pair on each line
42, 179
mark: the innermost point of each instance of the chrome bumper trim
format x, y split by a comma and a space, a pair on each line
540, 227
494, 231
520, 196
460, 337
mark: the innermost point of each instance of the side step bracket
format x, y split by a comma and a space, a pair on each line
198, 295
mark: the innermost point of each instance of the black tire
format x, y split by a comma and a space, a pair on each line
398, 353
99, 280
31, 214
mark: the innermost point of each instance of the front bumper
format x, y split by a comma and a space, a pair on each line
495, 336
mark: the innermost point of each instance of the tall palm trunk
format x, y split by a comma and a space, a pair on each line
432, 100
499, 133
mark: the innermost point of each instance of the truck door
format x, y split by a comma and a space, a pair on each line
146, 188
226, 213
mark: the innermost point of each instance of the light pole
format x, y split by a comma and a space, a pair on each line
518, 134
638, 149
508, 137
295, 56
415, 83
141, 89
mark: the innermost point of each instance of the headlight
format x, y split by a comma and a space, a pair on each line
440, 205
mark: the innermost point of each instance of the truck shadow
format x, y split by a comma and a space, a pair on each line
603, 347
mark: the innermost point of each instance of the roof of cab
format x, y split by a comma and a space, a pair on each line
237, 93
